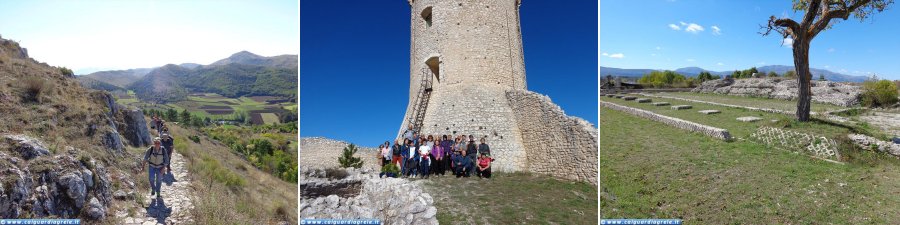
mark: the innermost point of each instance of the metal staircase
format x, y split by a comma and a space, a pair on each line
421, 102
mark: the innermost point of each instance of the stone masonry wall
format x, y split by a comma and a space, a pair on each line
714, 132
324, 153
554, 143
481, 111
476, 42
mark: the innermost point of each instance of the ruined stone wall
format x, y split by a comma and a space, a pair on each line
323, 152
481, 111
555, 144
822, 91
871, 143
714, 132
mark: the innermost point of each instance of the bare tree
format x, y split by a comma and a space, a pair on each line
818, 17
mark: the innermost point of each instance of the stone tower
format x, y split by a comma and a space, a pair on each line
466, 61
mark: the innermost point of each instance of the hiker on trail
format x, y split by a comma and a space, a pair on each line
484, 165
169, 144
396, 149
158, 160
160, 125
483, 148
385, 153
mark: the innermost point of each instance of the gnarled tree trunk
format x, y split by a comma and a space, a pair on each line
804, 77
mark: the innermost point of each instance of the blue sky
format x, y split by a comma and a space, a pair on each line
92, 35
641, 34
354, 64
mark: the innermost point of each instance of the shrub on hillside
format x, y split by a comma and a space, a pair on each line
879, 93
33, 88
66, 71
347, 159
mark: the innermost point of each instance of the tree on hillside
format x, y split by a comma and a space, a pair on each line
347, 159
171, 115
790, 74
185, 117
817, 17
736, 74
821, 77
753, 71
772, 74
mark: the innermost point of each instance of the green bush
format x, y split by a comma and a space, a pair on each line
879, 93
66, 71
347, 159
390, 168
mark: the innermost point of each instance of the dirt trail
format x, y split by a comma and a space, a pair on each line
174, 207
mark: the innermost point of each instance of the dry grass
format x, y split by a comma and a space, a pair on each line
230, 191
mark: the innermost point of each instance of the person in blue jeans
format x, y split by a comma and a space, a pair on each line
404, 156
158, 159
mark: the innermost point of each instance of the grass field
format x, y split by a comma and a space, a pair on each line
785, 105
651, 170
727, 119
512, 198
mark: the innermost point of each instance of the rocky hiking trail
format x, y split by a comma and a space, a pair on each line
174, 207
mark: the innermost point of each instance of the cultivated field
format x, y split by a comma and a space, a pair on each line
266, 108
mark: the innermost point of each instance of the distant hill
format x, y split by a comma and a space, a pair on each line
162, 84
92, 83
248, 58
119, 78
694, 71
241, 74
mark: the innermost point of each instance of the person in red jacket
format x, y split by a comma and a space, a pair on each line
484, 165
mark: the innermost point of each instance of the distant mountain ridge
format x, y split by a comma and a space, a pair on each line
241, 74
694, 71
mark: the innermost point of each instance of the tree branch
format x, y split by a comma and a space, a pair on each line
827, 16
811, 13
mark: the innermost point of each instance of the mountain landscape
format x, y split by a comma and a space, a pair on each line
241, 74
694, 71
68, 151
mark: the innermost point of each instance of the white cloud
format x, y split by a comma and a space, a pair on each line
683, 23
604, 54
674, 27
787, 42
617, 55
827, 66
830, 49
720, 64
693, 28
658, 48
716, 30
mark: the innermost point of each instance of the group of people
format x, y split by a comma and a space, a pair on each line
158, 156
422, 156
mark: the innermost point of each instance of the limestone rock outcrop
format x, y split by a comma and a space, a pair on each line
135, 128
62, 185
828, 92
361, 194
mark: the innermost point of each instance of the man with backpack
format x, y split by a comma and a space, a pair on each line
158, 159
169, 144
